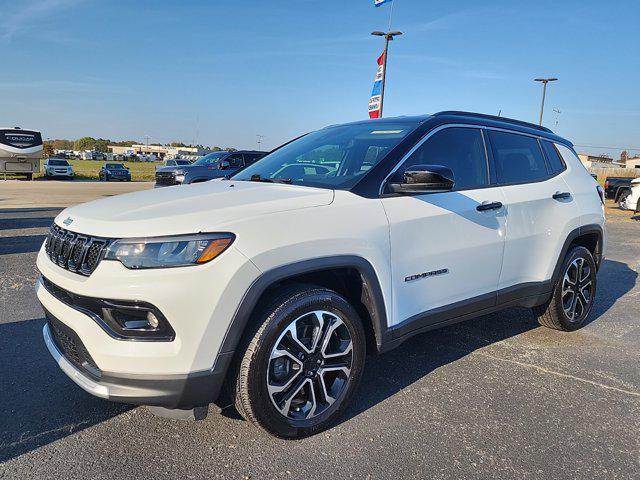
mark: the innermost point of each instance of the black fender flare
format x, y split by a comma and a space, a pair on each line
578, 232
371, 288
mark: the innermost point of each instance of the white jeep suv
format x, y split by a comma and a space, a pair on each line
349, 240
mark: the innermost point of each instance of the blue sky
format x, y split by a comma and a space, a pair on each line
220, 72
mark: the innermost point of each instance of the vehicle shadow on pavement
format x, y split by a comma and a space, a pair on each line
20, 219
388, 374
39, 404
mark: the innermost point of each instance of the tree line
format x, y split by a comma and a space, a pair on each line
101, 145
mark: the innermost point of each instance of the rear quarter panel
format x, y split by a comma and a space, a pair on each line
584, 189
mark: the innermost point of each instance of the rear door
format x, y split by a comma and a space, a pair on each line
541, 211
445, 252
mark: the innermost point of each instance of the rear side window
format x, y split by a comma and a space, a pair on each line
555, 162
518, 158
460, 149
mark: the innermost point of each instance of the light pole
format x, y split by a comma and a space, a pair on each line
544, 93
388, 36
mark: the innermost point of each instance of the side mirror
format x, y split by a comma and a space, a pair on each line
424, 179
224, 165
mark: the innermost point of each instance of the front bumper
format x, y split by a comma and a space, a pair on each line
198, 302
170, 391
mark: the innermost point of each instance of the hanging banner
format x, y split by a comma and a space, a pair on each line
375, 102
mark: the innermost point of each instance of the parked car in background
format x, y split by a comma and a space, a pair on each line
213, 165
278, 281
58, 167
114, 171
20, 151
177, 162
615, 186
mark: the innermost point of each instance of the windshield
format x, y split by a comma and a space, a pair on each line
335, 157
115, 166
183, 162
212, 158
58, 163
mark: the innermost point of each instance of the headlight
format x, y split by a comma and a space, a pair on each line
180, 178
164, 252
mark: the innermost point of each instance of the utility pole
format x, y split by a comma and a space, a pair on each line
388, 36
544, 93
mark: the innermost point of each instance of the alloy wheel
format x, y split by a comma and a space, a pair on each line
577, 290
310, 365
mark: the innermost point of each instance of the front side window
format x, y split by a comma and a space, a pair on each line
235, 160
518, 158
460, 149
335, 157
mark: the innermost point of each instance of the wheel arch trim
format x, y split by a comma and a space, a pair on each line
573, 235
371, 285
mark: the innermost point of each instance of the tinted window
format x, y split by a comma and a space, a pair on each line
518, 158
250, 158
552, 155
460, 149
235, 160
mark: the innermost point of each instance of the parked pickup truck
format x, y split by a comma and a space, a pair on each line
615, 186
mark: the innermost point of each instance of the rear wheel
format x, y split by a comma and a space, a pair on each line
29, 176
303, 361
573, 295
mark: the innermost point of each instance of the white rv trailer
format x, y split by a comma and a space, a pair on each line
20, 151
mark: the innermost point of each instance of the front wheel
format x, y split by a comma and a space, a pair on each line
302, 363
573, 294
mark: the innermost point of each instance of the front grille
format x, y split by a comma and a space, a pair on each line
165, 178
74, 252
71, 346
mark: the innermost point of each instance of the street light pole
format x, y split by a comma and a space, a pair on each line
544, 93
388, 36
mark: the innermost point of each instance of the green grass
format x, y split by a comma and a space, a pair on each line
88, 169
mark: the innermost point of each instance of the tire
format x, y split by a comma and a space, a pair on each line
270, 351
623, 196
554, 314
29, 176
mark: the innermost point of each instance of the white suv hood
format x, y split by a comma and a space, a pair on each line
201, 207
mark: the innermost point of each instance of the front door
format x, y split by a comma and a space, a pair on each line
446, 253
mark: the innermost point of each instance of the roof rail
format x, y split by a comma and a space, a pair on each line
494, 118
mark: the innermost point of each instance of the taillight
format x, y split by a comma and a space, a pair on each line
601, 193
606, 184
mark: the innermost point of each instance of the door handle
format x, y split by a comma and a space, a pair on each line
484, 206
561, 195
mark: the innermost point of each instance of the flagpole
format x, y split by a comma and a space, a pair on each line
391, 15
384, 70
388, 36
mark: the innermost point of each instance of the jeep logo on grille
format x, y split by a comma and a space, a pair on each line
68, 221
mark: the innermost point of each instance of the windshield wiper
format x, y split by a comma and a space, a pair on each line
258, 178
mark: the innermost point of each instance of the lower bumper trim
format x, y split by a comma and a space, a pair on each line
169, 391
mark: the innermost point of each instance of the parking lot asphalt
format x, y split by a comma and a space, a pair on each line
494, 397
